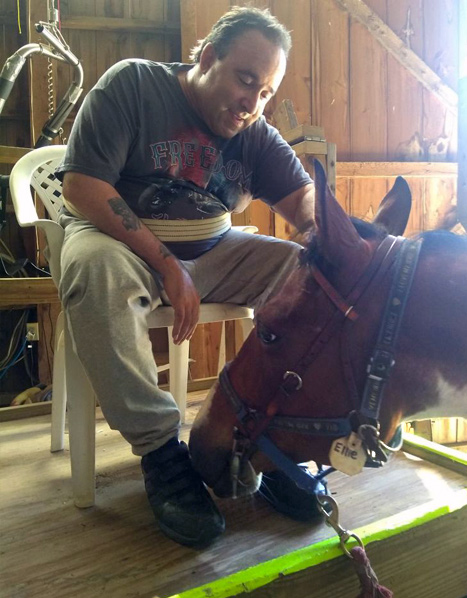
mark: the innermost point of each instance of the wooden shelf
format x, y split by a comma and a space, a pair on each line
385, 169
19, 292
10, 155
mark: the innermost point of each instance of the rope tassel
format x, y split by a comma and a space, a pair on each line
370, 588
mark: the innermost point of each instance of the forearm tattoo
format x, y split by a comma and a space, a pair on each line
120, 208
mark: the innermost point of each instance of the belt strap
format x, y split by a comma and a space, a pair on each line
174, 231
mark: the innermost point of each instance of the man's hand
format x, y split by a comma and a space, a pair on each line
184, 298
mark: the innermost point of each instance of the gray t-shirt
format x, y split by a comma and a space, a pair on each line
136, 130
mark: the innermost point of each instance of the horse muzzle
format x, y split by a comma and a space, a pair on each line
219, 472
241, 482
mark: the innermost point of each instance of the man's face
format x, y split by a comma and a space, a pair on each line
233, 92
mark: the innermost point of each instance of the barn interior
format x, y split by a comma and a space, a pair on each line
373, 89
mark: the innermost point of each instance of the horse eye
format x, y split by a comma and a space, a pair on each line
266, 336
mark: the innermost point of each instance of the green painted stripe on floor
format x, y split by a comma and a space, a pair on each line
326, 550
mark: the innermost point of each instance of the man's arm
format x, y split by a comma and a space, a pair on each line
101, 204
298, 208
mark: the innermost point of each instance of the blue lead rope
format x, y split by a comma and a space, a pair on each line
303, 478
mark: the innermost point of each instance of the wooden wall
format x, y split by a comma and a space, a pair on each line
339, 77
14, 121
14, 126
103, 32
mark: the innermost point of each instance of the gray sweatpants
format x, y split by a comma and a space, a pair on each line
107, 292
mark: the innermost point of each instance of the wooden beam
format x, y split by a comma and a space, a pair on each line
285, 119
45, 408
19, 292
302, 133
120, 24
310, 147
10, 155
385, 169
443, 456
391, 42
22, 411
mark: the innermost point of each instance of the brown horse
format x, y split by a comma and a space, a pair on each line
370, 329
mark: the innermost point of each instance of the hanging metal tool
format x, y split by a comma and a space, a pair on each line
55, 48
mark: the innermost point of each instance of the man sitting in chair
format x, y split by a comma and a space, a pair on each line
174, 142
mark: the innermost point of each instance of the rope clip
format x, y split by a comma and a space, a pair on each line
329, 508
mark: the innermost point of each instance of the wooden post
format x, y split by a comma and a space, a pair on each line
196, 20
462, 118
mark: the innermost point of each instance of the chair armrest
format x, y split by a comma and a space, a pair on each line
54, 234
20, 181
247, 228
21, 196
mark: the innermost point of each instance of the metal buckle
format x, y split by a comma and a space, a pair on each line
292, 382
380, 365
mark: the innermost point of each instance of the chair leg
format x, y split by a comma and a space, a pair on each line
82, 427
178, 359
57, 441
222, 351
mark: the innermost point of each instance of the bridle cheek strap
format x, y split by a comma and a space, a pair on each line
333, 295
253, 424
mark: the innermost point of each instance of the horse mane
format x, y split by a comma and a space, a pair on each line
436, 240
312, 254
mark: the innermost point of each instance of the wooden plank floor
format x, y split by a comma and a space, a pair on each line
50, 548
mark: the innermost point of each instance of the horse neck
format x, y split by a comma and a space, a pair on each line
432, 353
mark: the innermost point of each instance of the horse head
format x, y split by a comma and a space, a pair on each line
318, 365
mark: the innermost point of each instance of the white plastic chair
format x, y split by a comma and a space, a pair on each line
71, 387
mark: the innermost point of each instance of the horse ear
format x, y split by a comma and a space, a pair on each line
336, 233
394, 211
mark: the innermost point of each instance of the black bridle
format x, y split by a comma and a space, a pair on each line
362, 419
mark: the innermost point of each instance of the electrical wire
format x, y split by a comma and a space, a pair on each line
15, 339
9, 259
6, 249
16, 359
4, 258
19, 16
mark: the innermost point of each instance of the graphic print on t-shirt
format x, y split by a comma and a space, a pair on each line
193, 157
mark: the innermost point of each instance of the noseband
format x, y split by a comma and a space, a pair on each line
361, 426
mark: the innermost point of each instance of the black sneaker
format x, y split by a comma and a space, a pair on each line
287, 498
178, 497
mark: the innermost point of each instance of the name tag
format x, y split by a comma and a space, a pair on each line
347, 454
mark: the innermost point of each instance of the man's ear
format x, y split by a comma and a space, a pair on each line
207, 58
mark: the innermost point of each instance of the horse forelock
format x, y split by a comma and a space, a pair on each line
314, 255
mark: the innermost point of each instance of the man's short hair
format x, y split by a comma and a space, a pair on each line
237, 21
